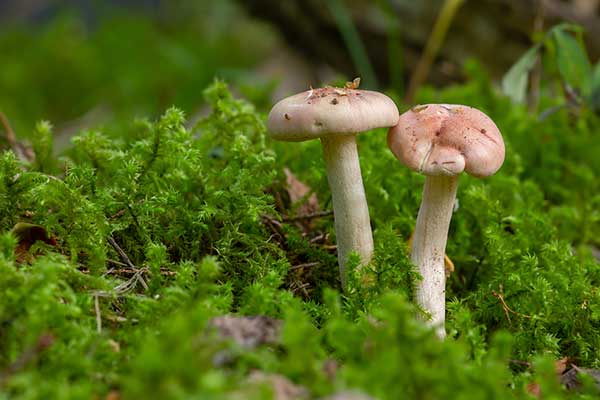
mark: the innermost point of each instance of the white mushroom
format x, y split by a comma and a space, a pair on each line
336, 115
441, 141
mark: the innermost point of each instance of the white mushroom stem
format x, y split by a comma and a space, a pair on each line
429, 247
352, 224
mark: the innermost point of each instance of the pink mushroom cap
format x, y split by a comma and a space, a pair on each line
447, 139
330, 112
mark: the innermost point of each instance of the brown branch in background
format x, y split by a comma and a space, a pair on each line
22, 152
507, 310
44, 342
435, 41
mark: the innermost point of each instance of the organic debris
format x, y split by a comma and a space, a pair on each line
27, 234
248, 332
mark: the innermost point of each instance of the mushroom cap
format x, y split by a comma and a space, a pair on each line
330, 111
447, 139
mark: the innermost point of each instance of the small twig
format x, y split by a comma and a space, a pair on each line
121, 253
119, 263
118, 214
98, 316
298, 286
275, 226
143, 270
505, 307
317, 214
319, 238
305, 265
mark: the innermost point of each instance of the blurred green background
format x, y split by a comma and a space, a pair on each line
93, 63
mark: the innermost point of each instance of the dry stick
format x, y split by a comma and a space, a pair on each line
121, 253
119, 263
138, 272
305, 265
432, 47
275, 226
314, 215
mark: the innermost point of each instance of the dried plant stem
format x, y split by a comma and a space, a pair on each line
435, 41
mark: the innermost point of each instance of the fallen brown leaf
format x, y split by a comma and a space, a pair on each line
299, 191
27, 234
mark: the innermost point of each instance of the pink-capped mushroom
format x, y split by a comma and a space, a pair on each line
336, 116
441, 141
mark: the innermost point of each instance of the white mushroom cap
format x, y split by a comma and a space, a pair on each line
447, 139
330, 111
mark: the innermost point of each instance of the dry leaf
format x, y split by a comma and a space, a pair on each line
299, 191
27, 234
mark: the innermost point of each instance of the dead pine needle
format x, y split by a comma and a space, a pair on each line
98, 315
507, 310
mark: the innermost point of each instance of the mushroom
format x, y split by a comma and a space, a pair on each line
441, 141
336, 115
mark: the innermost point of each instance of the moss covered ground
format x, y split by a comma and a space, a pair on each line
118, 253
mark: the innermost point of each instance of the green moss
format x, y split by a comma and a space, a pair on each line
187, 207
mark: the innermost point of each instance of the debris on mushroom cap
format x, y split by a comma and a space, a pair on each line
446, 139
330, 111
353, 85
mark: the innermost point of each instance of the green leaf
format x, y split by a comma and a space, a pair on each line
572, 61
514, 83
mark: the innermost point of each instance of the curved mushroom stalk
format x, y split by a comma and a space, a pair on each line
429, 247
441, 141
352, 223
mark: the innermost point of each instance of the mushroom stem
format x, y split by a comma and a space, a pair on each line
429, 247
351, 214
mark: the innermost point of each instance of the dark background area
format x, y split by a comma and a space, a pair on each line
146, 55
